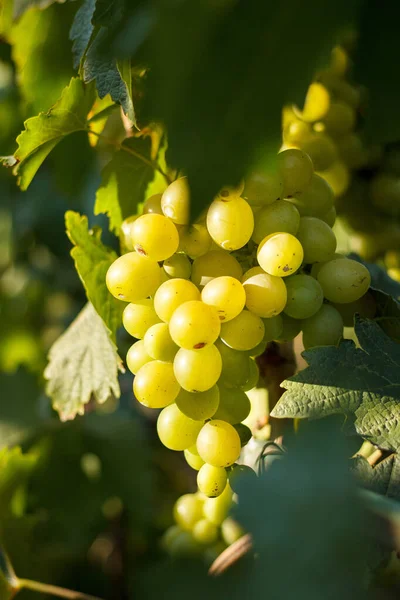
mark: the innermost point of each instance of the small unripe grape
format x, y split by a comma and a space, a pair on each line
239, 475
244, 433
325, 328
230, 224
178, 266
185, 546
138, 317
280, 254
234, 406
317, 239
169, 536
215, 263
316, 199
193, 460
211, 481
273, 328
263, 187
194, 240
175, 430
198, 406
155, 384
198, 370
126, 234
194, 325
137, 356
171, 294
133, 277
155, 236
290, 328
175, 201
296, 168
188, 510
159, 344
226, 294
205, 532
265, 294
153, 205
244, 332
305, 296
279, 216
218, 443
344, 280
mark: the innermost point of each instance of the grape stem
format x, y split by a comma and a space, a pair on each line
231, 555
53, 590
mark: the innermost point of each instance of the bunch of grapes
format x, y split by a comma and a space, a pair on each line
200, 321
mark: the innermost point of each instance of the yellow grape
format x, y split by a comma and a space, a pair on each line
194, 240
137, 356
295, 132
133, 277
172, 294
296, 168
339, 61
198, 406
265, 294
317, 199
263, 187
218, 443
175, 201
230, 224
344, 280
193, 459
216, 509
244, 332
211, 481
153, 205
279, 216
205, 532
155, 384
280, 254
178, 266
316, 104
234, 406
175, 430
188, 509
226, 294
198, 370
215, 263
317, 239
338, 177
231, 531
159, 344
194, 325
138, 317
155, 236
126, 233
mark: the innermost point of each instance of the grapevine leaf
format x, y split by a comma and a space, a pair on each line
383, 479
81, 30
44, 132
362, 384
387, 314
124, 182
92, 260
83, 363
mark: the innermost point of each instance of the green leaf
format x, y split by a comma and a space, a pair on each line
387, 314
42, 133
83, 363
124, 182
383, 479
362, 384
92, 260
81, 30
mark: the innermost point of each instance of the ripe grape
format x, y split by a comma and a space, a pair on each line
273, 328
184, 545
385, 193
236, 367
239, 476
315, 269
205, 532
194, 325
155, 236
215, 263
244, 332
153, 205
226, 294
138, 317
290, 328
295, 131
263, 187
317, 239
305, 296
234, 406
133, 277
175, 430
321, 150
126, 234
194, 240
344, 280
231, 531
175, 201
169, 536
254, 370
198, 370
230, 224
329, 217
211, 481
218, 443
193, 459
178, 266
338, 177
325, 328
316, 200
155, 384
280, 254
352, 150
188, 509
265, 294
198, 406
171, 294
254, 352
340, 119
216, 509
279, 216
137, 356
159, 344
316, 104
296, 168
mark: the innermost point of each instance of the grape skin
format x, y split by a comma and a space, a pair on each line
317, 239
325, 328
280, 254
133, 277
175, 430
155, 384
226, 294
265, 294
199, 406
155, 236
230, 224
244, 332
137, 356
215, 263
198, 370
171, 294
344, 280
138, 317
194, 325
218, 443
305, 296
211, 481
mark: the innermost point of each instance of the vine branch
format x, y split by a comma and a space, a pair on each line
53, 590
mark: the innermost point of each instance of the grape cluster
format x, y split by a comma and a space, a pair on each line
200, 321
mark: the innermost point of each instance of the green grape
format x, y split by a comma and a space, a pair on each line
169, 536
364, 306
229, 192
239, 475
188, 509
216, 509
317, 239
244, 332
385, 193
338, 177
137, 356
344, 280
325, 328
265, 294
296, 168
211, 481
205, 532
226, 294
194, 240
263, 187
329, 217
317, 199
194, 325
305, 296
230, 224
234, 406
236, 366
218, 443
316, 104
178, 266
153, 205
315, 269
321, 150
184, 546
259, 349
280, 254
211, 553
171, 294
273, 328
155, 236
138, 317
175, 201
155, 384
244, 432
133, 277
198, 370
254, 375
193, 460
279, 216
340, 119
159, 344
126, 234
215, 263
199, 406
231, 531
339, 61
295, 132
290, 329
175, 430
352, 151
